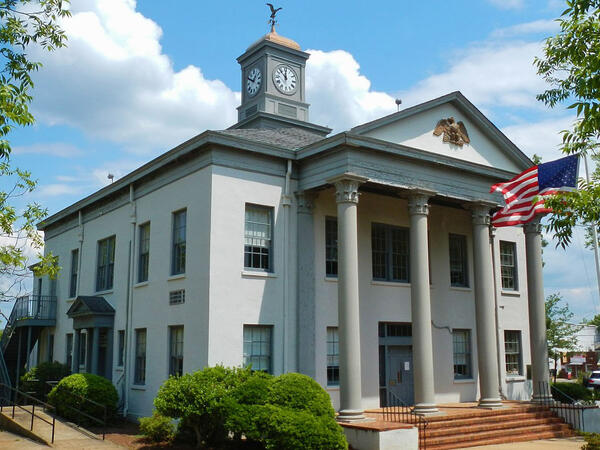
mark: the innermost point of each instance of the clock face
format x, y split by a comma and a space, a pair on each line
253, 81
285, 79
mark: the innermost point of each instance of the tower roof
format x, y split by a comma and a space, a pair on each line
272, 36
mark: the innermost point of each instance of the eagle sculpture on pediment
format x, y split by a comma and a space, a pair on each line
454, 132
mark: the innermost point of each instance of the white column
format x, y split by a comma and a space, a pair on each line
348, 298
487, 356
422, 341
537, 313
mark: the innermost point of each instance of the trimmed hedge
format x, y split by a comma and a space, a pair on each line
69, 391
157, 428
35, 379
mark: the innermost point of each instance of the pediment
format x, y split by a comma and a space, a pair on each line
416, 127
89, 305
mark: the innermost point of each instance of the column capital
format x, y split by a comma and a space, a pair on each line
346, 187
534, 227
480, 212
418, 201
306, 201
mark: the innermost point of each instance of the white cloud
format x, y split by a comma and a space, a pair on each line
57, 189
507, 4
542, 138
535, 27
59, 149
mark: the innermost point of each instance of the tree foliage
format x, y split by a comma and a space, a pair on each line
571, 66
23, 23
560, 330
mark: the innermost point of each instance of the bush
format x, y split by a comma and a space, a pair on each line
157, 428
69, 392
575, 391
34, 380
301, 392
592, 441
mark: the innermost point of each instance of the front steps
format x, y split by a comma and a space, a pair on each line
474, 427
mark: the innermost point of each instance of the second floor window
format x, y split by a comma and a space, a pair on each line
331, 249
144, 256
258, 237
178, 250
458, 260
390, 253
106, 264
74, 271
508, 265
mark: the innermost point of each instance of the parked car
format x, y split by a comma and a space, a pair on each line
594, 380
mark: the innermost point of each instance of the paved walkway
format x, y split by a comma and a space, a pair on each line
574, 443
10, 440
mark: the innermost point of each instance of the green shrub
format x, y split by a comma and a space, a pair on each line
34, 380
69, 392
575, 391
592, 441
301, 392
157, 428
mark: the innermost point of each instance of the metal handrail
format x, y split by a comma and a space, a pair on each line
571, 413
398, 411
37, 307
14, 404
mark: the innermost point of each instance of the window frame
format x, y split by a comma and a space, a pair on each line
269, 249
514, 267
462, 260
176, 348
178, 247
249, 358
518, 354
333, 355
331, 247
139, 372
105, 270
467, 353
74, 273
389, 253
143, 252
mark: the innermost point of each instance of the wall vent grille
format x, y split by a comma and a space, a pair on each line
177, 297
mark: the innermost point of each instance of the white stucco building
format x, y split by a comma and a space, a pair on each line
363, 259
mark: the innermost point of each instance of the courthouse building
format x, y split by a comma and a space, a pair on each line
364, 259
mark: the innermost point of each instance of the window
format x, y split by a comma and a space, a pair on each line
258, 237
176, 351
512, 352
461, 342
331, 249
69, 350
74, 270
257, 347
144, 256
458, 260
121, 354
106, 264
139, 376
508, 265
390, 250
178, 250
50, 348
333, 354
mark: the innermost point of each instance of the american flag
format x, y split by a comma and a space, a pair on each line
538, 181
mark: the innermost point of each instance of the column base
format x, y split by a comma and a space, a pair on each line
490, 403
426, 409
351, 415
543, 399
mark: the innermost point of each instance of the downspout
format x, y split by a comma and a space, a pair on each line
286, 202
129, 299
496, 310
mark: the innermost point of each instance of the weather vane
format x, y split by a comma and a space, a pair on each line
272, 20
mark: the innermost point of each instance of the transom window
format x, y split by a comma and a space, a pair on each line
176, 351
179, 242
106, 264
508, 265
258, 237
139, 375
458, 260
257, 347
461, 343
331, 248
512, 352
144, 256
390, 253
333, 357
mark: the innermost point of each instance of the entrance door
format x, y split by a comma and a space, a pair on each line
400, 373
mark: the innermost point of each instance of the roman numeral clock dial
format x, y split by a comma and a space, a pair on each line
253, 81
285, 79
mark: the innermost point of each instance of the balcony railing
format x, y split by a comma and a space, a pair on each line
28, 308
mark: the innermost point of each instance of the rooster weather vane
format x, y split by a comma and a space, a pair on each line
274, 12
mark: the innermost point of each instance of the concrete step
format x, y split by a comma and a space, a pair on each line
491, 426
476, 420
501, 440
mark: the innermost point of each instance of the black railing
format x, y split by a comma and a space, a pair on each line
29, 307
398, 411
13, 398
565, 407
79, 413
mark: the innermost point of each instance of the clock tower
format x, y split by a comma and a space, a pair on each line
273, 85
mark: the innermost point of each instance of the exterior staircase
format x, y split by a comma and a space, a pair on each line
30, 314
486, 427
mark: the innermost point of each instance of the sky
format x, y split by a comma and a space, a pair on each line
139, 78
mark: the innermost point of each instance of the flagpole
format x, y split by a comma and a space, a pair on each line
594, 232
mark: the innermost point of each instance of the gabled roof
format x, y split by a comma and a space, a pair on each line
466, 107
89, 305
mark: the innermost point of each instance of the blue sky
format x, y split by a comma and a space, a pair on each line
139, 78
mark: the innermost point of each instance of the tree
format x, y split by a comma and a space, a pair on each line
560, 331
23, 23
570, 65
595, 321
